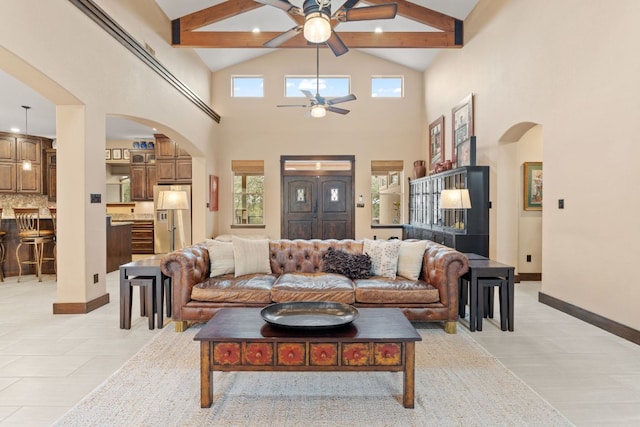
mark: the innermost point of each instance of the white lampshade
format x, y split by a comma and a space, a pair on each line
317, 28
455, 199
318, 111
173, 200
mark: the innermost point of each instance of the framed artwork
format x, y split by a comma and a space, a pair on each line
436, 141
466, 152
213, 193
116, 153
532, 193
107, 155
126, 155
461, 124
394, 179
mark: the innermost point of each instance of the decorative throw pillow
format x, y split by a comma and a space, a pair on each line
251, 256
354, 266
220, 257
410, 259
384, 256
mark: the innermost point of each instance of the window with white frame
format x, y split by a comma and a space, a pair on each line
387, 86
247, 86
248, 192
386, 192
328, 86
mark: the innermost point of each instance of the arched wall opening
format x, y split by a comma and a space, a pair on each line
521, 143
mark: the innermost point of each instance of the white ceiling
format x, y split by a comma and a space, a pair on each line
41, 116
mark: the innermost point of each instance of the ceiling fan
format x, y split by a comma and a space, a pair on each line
317, 26
319, 105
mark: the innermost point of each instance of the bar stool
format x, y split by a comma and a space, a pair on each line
29, 233
2, 248
485, 301
53, 211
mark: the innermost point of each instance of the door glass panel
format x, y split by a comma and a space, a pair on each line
300, 195
334, 195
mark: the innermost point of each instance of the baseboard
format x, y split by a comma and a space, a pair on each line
528, 277
80, 307
601, 322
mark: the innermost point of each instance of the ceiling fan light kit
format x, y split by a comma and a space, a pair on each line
317, 28
318, 111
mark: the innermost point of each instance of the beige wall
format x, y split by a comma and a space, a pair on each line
375, 129
567, 66
65, 56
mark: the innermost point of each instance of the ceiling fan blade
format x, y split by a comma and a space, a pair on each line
350, 97
336, 44
308, 94
382, 11
350, 3
293, 105
287, 35
282, 4
337, 110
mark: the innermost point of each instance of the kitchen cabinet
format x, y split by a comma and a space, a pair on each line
173, 164
143, 175
50, 179
142, 237
14, 151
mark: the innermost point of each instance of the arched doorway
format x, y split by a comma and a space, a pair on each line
521, 228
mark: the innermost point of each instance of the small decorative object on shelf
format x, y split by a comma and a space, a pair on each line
419, 169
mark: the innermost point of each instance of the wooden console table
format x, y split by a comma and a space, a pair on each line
238, 339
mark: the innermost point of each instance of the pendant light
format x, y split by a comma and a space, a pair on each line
26, 164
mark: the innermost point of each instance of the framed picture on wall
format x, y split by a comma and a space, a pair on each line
532, 193
107, 155
213, 193
436, 141
461, 124
126, 155
466, 152
116, 153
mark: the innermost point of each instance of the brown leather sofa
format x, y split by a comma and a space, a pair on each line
297, 275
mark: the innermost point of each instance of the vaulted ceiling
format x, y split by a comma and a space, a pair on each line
228, 32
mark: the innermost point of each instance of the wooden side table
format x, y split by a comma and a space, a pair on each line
486, 268
149, 267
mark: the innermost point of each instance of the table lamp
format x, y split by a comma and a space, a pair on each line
173, 200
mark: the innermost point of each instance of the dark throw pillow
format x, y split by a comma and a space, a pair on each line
354, 266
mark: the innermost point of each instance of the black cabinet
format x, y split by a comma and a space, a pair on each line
466, 230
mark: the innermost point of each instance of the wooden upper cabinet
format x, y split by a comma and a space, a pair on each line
29, 149
7, 149
8, 183
165, 148
173, 165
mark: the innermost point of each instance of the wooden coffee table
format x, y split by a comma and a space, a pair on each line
238, 339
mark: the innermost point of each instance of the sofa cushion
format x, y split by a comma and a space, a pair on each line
253, 288
378, 290
354, 266
410, 259
250, 256
384, 256
312, 287
220, 257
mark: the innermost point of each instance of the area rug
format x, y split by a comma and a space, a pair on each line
458, 383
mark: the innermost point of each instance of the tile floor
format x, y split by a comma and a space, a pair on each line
48, 363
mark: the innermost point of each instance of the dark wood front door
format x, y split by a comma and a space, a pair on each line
318, 207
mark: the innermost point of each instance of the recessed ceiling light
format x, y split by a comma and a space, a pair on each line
255, 30
378, 30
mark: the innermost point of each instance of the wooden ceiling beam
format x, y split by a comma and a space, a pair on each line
217, 13
420, 14
239, 39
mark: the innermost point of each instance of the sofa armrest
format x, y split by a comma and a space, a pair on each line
442, 266
187, 267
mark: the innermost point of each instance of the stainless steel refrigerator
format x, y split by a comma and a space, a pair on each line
162, 221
